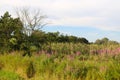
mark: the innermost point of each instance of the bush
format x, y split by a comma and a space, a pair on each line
1, 66
30, 70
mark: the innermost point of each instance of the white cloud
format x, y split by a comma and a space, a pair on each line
102, 14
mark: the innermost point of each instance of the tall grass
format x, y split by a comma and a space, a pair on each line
66, 62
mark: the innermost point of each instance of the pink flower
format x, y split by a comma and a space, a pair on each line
70, 57
48, 55
78, 53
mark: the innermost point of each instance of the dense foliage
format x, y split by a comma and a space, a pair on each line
13, 36
105, 41
10, 31
67, 62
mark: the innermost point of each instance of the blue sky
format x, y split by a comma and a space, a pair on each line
89, 33
91, 19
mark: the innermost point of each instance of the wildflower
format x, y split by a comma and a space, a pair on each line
78, 53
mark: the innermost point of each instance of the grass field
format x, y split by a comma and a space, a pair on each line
65, 62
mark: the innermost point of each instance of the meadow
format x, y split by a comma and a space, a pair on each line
63, 61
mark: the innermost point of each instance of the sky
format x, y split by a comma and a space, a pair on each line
92, 19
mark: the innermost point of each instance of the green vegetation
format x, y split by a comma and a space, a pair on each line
30, 70
13, 36
70, 63
31, 54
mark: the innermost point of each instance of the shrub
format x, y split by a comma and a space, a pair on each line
1, 66
30, 70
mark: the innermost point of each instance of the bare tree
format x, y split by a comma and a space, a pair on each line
32, 19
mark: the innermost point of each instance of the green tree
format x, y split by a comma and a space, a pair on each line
102, 41
98, 41
83, 40
9, 28
52, 36
33, 21
38, 38
105, 40
72, 39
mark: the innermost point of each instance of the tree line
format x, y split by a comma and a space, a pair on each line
23, 34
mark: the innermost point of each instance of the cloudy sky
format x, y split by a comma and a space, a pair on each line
91, 19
